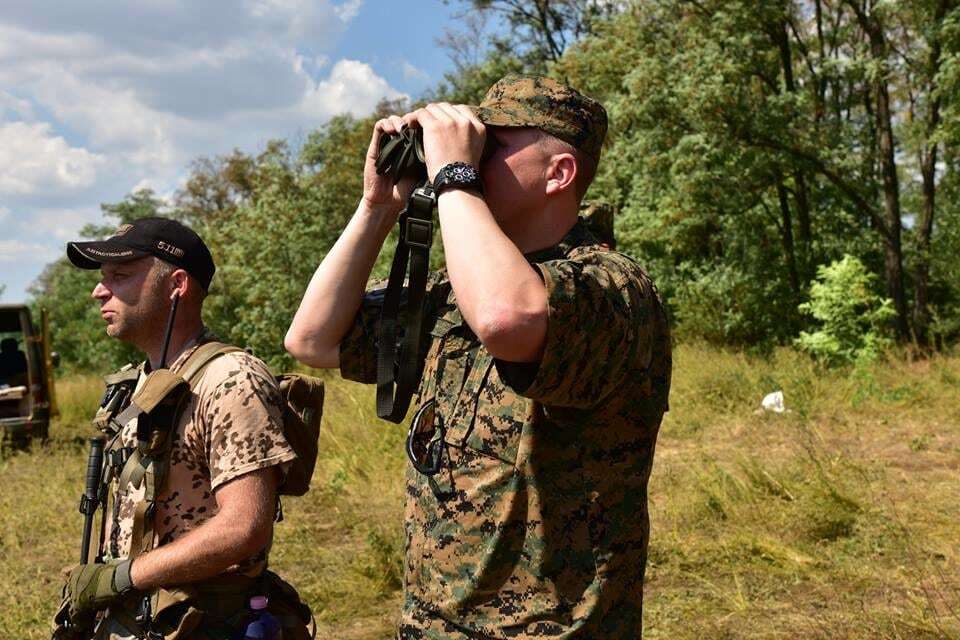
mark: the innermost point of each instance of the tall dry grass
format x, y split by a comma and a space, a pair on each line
838, 519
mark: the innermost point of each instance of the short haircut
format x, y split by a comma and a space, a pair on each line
163, 270
586, 166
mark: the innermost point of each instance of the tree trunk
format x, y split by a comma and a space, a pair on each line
892, 245
786, 235
928, 172
800, 193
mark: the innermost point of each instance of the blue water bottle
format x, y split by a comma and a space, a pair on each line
264, 626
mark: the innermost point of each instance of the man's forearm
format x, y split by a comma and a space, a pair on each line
242, 526
205, 552
336, 290
500, 295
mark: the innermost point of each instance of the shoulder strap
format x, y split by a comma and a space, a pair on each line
396, 372
201, 357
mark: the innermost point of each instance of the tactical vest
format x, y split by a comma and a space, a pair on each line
157, 405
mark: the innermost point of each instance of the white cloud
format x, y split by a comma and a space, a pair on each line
14, 108
411, 72
63, 224
100, 98
31, 158
13, 251
348, 10
352, 87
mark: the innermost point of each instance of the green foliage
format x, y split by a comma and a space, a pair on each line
852, 317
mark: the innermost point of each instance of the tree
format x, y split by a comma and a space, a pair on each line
735, 124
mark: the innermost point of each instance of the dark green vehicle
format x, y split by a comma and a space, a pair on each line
27, 399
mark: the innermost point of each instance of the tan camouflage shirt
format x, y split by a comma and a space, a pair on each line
232, 425
537, 525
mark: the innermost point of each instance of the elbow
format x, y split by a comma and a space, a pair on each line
309, 351
250, 539
294, 344
513, 335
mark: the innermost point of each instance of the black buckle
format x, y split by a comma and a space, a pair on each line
418, 233
87, 505
117, 458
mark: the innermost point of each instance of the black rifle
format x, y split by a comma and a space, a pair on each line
92, 495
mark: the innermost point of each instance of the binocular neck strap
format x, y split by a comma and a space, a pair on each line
396, 376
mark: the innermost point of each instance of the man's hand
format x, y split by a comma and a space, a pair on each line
451, 133
93, 587
379, 192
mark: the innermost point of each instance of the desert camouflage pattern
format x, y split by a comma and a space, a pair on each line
536, 526
544, 103
231, 425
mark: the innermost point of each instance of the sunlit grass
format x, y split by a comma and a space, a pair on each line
837, 519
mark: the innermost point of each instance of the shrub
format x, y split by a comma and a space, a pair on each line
853, 317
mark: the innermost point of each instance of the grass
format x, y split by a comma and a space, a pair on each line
838, 519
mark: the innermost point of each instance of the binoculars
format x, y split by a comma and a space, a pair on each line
401, 154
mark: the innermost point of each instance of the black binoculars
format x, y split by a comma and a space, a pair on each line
401, 154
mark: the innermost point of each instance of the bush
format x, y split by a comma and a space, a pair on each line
853, 317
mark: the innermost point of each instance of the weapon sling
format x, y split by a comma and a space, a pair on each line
396, 376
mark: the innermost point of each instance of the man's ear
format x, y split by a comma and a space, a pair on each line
180, 283
561, 173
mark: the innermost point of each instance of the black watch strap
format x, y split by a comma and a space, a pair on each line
457, 175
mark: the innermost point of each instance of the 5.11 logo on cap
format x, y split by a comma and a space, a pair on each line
169, 248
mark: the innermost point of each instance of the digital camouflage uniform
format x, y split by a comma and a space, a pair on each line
231, 425
536, 527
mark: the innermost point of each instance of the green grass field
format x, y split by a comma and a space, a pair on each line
838, 519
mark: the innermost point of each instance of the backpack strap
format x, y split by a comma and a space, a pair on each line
201, 357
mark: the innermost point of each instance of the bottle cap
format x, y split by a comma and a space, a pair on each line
258, 603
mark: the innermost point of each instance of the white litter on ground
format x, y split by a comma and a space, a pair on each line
774, 402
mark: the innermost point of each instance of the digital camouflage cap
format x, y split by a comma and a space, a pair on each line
544, 103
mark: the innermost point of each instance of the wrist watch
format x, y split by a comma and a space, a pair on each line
457, 175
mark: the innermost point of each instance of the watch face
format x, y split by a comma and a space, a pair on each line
458, 174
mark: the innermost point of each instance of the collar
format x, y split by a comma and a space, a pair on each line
205, 335
578, 236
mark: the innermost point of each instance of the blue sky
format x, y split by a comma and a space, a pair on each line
100, 97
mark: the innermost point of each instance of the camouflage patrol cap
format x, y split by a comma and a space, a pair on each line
544, 103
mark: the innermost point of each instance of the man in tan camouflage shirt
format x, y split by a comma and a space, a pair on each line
214, 514
547, 361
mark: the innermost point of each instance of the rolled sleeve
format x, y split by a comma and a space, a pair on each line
595, 311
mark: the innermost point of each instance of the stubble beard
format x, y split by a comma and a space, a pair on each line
140, 325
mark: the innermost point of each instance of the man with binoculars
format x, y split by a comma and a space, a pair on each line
543, 376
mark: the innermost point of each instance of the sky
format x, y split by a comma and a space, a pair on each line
101, 97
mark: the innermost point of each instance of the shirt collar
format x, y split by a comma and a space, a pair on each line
578, 236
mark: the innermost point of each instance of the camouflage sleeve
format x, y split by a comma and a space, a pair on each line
243, 416
358, 349
600, 312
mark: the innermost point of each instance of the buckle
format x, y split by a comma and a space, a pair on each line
87, 506
418, 233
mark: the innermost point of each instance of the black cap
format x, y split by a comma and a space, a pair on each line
166, 239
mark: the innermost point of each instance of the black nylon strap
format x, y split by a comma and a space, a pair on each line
396, 375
